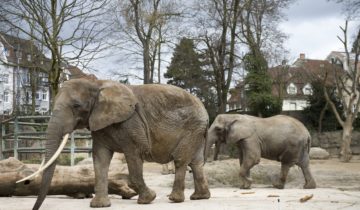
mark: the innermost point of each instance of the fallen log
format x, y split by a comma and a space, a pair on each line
76, 181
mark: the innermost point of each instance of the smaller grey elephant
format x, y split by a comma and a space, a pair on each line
279, 138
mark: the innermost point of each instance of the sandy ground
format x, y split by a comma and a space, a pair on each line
338, 188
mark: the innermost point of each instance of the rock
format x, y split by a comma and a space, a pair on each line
318, 153
86, 161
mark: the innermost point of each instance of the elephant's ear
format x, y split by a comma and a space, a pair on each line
115, 103
239, 130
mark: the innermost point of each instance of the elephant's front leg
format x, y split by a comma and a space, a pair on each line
249, 155
101, 157
245, 176
135, 166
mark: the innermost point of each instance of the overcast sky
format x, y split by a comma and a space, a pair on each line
313, 26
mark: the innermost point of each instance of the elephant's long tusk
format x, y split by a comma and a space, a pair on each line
42, 163
52, 159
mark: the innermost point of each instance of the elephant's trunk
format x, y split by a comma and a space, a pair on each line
210, 140
55, 131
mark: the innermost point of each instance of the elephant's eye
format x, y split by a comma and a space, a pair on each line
218, 129
76, 105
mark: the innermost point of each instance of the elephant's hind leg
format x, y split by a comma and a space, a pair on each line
135, 166
309, 180
177, 193
283, 175
200, 182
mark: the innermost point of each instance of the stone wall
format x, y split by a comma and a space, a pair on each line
331, 142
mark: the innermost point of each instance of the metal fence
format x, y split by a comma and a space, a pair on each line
23, 137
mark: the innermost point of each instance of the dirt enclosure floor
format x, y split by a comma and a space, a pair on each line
338, 188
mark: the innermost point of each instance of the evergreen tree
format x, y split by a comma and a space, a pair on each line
185, 71
185, 67
261, 102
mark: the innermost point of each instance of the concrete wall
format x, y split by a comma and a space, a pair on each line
331, 142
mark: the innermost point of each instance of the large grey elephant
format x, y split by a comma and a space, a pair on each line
147, 122
279, 138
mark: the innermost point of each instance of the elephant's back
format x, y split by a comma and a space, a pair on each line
161, 97
282, 124
173, 115
290, 121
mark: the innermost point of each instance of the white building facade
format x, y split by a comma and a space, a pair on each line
15, 87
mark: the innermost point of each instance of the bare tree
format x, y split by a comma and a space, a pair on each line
229, 27
141, 27
259, 25
217, 24
347, 85
350, 7
67, 29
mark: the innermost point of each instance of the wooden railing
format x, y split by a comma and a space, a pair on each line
16, 142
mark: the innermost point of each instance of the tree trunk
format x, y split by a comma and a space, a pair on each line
147, 67
77, 181
33, 87
345, 152
322, 113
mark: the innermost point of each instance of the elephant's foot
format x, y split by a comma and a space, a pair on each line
279, 185
125, 191
199, 196
177, 196
98, 202
310, 185
246, 184
146, 197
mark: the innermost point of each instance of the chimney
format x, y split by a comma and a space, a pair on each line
302, 56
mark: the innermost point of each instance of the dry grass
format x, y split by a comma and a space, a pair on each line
225, 173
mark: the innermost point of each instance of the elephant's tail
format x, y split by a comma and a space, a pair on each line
305, 151
206, 149
308, 144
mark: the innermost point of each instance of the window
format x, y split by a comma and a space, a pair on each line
292, 106
44, 96
28, 57
26, 78
43, 78
307, 90
7, 53
4, 78
6, 96
37, 96
292, 90
27, 96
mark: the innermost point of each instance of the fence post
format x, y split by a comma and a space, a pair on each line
72, 149
16, 137
91, 145
2, 143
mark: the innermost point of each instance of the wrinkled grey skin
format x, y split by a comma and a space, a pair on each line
279, 138
148, 122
